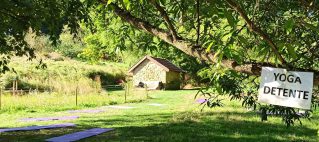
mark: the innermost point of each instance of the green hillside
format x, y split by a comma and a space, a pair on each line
62, 76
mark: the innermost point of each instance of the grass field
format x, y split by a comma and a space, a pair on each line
179, 119
62, 76
53, 102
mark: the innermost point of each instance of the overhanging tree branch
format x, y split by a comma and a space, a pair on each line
254, 28
182, 44
190, 48
166, 19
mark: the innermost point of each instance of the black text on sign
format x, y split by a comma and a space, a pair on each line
286, 88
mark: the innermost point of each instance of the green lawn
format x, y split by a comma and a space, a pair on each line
179, 119
54, 102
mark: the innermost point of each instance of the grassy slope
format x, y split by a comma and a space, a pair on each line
62, 76
180, 120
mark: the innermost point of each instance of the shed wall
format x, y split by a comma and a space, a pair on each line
148, 71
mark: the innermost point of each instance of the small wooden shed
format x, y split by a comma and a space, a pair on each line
154, 71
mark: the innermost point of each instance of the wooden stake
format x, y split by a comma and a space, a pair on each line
146, 91
13, 85
126, 90
16, 85
76, 96
0, 97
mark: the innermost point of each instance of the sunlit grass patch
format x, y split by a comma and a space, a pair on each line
180, 120
58, 102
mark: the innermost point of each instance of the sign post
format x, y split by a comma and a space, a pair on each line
286, 88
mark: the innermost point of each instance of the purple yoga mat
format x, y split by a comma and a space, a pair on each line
50, 118
79, 135
200, 101
30, 128
86, 111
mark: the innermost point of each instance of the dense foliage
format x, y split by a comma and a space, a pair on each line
42, 16
117, 41
236, 37
245, 33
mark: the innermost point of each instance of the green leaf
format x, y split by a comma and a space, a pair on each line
217, 54
127, 4
220, 57
289, 25
227, 36
99, 7
237, 58
262, 52
312, 27
209, 47
291, 51
230, 18
242, 40
109, 2
162, 1
219, 90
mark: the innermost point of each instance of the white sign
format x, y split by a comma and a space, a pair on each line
286, 88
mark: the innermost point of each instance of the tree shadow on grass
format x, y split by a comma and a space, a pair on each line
202, 130
166, 127
34, 136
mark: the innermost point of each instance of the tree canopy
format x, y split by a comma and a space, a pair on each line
42, 16
237, 37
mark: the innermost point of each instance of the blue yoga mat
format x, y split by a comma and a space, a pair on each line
79, 135
30, 128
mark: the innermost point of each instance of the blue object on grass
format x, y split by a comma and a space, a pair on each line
201, 101
79, 135
31, 128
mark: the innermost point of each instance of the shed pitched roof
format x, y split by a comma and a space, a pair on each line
164, 63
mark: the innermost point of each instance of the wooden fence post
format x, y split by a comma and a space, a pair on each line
16, 91
146, 89
13, 85
76, 95
126, 91
0, 97
98, 86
